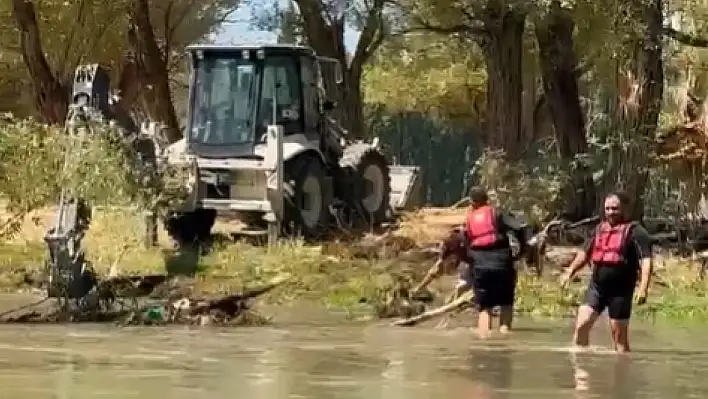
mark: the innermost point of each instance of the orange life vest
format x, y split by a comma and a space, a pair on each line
609, 243
482, 227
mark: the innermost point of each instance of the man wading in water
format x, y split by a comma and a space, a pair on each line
493, 276
617, 250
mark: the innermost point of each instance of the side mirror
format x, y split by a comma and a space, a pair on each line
329, 105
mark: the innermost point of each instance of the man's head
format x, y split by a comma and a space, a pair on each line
615, 207
451, 250
478, 196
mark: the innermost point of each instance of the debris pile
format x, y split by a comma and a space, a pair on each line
146, 300
397, 300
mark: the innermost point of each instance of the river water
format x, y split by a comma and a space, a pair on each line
325, 358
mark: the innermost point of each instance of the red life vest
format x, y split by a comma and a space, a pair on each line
482, 227
609, 243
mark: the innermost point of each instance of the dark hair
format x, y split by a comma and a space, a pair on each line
622, 196
452, 244
478, 195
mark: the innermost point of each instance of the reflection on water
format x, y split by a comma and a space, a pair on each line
347, 361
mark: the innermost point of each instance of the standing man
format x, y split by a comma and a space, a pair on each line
618, 250
489, 250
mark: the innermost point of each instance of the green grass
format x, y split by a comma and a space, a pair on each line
334, 278
679, 296
115, 241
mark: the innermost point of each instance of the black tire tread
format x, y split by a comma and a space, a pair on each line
295, 170
352, 160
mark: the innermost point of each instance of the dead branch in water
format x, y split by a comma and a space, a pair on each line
106, 305
462, 300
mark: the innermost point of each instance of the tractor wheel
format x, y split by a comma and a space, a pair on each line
191, 228
306, 211
372, 180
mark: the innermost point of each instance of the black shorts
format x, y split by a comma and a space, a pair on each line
617, 302
494, 287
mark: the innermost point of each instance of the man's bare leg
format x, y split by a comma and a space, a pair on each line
587, 317
506, 316
484, 322
620, 335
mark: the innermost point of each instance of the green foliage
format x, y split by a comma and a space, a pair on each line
81, 31
39, 161
534, 189
428, 74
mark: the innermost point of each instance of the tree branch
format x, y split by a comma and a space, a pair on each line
129, 81
169, 34
50, 96
167, 29
685, 38
473, 27
97, 39
371, 36
153, 68
70, 39
316, 28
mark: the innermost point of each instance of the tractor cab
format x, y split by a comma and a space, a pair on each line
236, 92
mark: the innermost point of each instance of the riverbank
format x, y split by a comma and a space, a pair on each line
367, 273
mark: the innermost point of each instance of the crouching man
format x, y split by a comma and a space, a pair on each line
452, 257
618, 250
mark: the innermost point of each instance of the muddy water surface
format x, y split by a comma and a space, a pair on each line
323, 358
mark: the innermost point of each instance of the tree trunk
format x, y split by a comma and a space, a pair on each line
502, 44
50, 95
559, 71
152, 64
324, 32
129, 85
641, 113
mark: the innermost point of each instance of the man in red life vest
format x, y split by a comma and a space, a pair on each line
492, 275
618, 250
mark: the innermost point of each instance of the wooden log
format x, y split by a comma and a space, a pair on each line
461, 301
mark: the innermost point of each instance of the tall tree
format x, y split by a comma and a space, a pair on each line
497, 26
428, 74
554, 29
140, 41
640, 95
324, 23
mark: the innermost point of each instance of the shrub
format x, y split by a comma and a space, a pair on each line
39, 161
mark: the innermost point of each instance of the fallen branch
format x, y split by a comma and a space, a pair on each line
227, 304
461, 301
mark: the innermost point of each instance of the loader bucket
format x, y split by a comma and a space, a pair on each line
406, 190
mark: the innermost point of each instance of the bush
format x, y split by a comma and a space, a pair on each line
532, 189
39, 161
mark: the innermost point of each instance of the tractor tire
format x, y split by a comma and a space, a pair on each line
191, 228
306, 210
372, 181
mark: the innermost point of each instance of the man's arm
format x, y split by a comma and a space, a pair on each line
517, 228
445, 264
642, 244
580, 260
